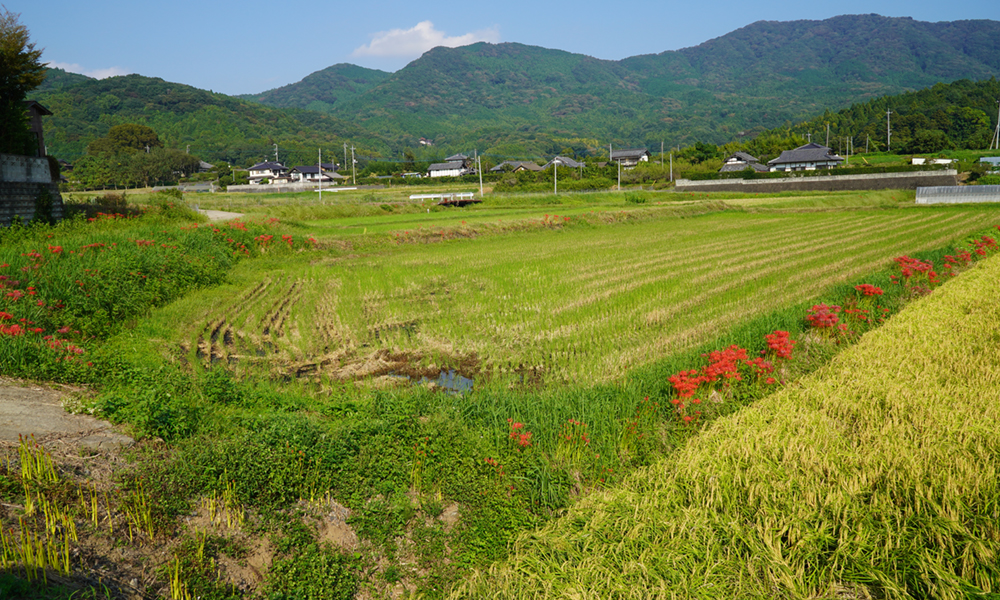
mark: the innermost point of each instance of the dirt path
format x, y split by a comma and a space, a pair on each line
32, 409
220, 215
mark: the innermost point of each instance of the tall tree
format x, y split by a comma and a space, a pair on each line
127, 137
21, 71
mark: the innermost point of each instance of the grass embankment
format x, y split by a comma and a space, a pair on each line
875, 477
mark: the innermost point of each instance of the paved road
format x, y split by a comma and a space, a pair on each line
27, 410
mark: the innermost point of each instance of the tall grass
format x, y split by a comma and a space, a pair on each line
875, 477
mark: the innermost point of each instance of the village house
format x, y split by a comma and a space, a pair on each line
562, 161
269, 170
515, 166
454, 166
810, 157
741, 161
630, 158
35, 113
310, 173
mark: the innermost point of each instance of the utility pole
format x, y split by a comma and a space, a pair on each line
827, 135
995, 142
345, 153
319, 168
888, 132
275, 153
354, 174
188, 150
809, 138
661, 154
555, 176
479, 167
867, 138
671, 166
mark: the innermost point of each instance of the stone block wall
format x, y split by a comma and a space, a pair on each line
826, 183
23, 179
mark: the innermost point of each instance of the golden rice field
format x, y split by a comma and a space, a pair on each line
574, 302
876, 477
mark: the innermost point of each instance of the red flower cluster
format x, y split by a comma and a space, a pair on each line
911, 267
523, 439
822, 316
868, 290
780, 343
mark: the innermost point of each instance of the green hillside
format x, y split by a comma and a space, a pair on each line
217, 127
961, 114
58, 79
512, 97
323, 90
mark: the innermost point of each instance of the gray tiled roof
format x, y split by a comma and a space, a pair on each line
743, 156
311, 169
446, 166
631, 153
810, 153
739, 166
516, 164
565, 162
268, 166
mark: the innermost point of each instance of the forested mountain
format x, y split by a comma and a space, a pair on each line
514, 98
962, 114
57, 78
515, 101
217, 127
322, 90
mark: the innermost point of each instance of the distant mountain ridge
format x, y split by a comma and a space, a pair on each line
756, 77
516, 101
215, 126
322, 90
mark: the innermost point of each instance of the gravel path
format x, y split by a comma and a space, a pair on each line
220, 215
36, 410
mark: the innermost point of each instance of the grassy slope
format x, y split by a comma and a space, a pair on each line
877, 475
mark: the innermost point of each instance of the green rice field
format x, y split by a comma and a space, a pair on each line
571, 302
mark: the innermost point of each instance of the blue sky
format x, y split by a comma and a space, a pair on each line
253, 45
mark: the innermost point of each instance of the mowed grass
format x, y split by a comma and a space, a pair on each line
876, 477
576, 303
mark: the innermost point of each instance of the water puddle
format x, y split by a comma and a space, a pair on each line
450, 381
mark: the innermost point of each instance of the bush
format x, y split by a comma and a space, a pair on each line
315, 573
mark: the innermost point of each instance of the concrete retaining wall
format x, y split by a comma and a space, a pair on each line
23, 179
958, 195
824, 183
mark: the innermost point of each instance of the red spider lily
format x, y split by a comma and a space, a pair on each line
5, 316
867, 289
822, 316
780, 343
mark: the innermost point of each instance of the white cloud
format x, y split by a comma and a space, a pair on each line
410, 43
95, 73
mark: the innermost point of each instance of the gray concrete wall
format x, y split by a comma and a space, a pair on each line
22, 180
824, 183
958, 195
